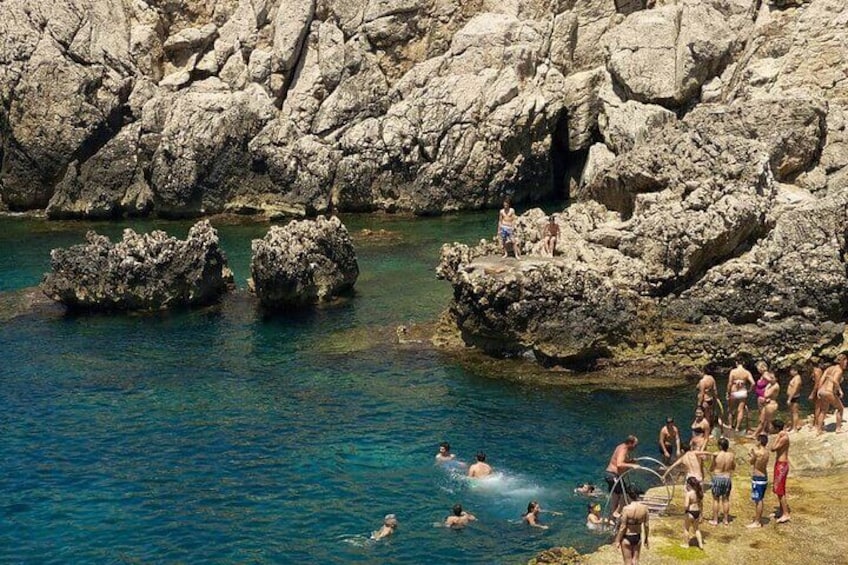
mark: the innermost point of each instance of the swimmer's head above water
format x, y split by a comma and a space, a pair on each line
457, 509
481, 457
390, 520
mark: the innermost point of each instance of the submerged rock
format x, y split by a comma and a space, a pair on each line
144, 272
303, 263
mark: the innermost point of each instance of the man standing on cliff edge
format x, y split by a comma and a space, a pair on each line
506, 229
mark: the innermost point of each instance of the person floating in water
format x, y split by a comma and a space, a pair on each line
444, 455
459, 518
506, 229
390, 523
532, 515
594, 520
480, 469
588, 489
634, 521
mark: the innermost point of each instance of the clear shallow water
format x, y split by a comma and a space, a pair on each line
219, 436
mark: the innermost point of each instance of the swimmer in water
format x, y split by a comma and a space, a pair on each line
480, 469
390, 523
459, 518
532, 515
444, 455
594, 520
588, 489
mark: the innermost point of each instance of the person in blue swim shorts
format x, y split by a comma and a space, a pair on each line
759, 458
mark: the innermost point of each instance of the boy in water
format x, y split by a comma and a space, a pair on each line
444, 455
459, 517
481, 468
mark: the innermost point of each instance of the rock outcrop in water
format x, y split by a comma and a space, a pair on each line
143, 272
698, 238
303, 263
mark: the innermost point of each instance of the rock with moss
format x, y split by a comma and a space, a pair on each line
303, 263
557, 556
143, 272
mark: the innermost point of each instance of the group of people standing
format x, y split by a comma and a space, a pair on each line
692, 456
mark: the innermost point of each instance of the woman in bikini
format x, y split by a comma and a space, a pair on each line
700, 431
768, 408
634, 518
693, 499
739, 381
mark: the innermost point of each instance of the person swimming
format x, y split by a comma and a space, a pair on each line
588, 489
459, 518
531, 517
480, 469
390, 524
594, 520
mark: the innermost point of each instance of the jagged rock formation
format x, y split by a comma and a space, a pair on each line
700, 237
142, 272
303, 263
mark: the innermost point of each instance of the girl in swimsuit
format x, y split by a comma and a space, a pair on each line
634, 517
700, 431
693, 499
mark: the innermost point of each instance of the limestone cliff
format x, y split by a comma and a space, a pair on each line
710, 221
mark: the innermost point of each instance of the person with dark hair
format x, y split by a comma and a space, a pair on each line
480, 469
459, 518
700, 431
722, 469
506, 229
781, 469
830, 392
444, 455
693, 499
793, 397
669, 441
532, 515
618, 464
549, 241
758, 456
633, 523
816, 376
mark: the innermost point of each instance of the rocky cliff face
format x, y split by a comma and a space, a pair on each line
111, 108
711, 215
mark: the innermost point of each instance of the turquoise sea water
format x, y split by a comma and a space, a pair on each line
221, 436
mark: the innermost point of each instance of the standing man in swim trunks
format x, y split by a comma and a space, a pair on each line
634, 519
506, 228
722, 469
481, 468
758, 456
793, 396
830, 392
618, 464
739, 382
551, 236
781, 469
669, 441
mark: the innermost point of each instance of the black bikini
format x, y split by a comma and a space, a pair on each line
695, 514
634, 538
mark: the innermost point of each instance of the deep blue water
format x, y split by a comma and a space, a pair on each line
220, 436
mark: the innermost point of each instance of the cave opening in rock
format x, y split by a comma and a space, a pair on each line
566, 165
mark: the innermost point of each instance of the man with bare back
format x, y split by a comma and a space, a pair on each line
739, 382
830, 392
722, 469
793, 397
758, 457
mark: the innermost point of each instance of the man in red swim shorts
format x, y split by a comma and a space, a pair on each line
781, 469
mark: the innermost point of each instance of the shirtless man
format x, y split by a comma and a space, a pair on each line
722, 469
551, 236
768, 407
781, 469
692, 461
506, 228
444, 455
459, 517
481, 468
815, 377
830, 392
634, 519
532, 515
739, 382
793, 396
618, 464
669, 441
758, 456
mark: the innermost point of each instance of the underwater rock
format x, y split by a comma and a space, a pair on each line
303, 263
145, 272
